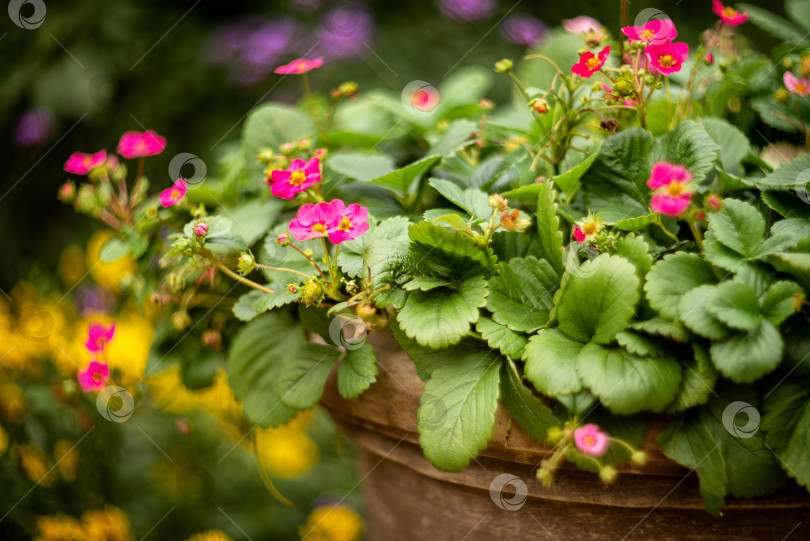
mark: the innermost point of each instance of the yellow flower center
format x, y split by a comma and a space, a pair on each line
140, 145
589, 440
297, 177
175, 193
589, 228
319, 228
729, 12
666, 61
800, 89
647, 34
345, 224
301, 65
593, 63
675, 189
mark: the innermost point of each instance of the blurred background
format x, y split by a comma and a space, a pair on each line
82, 73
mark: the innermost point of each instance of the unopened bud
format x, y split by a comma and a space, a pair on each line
497, 201
67, 192
781, 95
283, 240
539, 105
639, 457
504, 65
304, 144
181, 320
287, 148
608, 474
312, 293
486, 105
265, 155
201, 229
246, 263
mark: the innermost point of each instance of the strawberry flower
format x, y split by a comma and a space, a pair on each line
796, 85
581, 25
98, 336
590, 440
94, 377
353, 223
589, 63
315, 221
587, 229
671, 183
667, 58
654, 31
299, 177
728, 15
170, 196
135, 144
80, 163
299, 65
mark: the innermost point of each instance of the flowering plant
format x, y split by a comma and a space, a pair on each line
609, 245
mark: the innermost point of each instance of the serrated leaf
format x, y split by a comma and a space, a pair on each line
566, 181
633, 248
269, 301
734, 145
598, 300
787, 427
268, 126
243, 307
401, 180
448, 254
690, 146
303, 375
361, 166
674, 276
548, 228
794, 264
425, 283
699, 378
457, 410
633, 224
357, 371
499, 336
520, 295
659, 326
735, 304
441, 317
696, 316
474, 201
255, 358
738, 226
777, 304
720, 255
642, 344
526, 409
626, 383
550, 360
744, 357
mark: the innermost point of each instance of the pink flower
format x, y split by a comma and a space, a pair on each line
299, 177
353, 223
589, 63
591, 440
667, 58
300, 65
170, 196
579, 234
94, 377
588, 228
728, 14
80, 163
135, 144
98, 336
714, 202
314, 221
654, 31
201, 229
581, 25
796, 85
709, 58
672, 191
283, 239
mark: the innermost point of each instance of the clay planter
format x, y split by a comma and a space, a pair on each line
408, 499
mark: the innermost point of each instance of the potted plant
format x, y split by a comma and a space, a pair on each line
605, 275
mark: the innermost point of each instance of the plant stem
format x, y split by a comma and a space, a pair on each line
311, 262
282, 269
696, 233
240, 278
328, 263
139, 172
666, 231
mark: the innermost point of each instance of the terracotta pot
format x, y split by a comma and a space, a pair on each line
408, 499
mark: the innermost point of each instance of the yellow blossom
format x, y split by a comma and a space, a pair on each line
107, 274
332, 523
59, 528
210, 535
12, 403
108, 524
128, 351
286, 452
35, 464
66, 456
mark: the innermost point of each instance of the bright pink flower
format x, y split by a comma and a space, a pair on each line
300, 65
80, 163
654, 31
94, 377
589, 63
299, 177
672, 191
796, 85
709, 58
591, 440
581, 25
666, 58
314, 221
98, 336
728, 14
353, 223
201, 229
135, 144
170, 196
283, 239
579, 234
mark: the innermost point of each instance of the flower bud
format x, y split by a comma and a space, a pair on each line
545, 477
608, 474
304, 144
246, 263
283, 240
320, 153
175, 282
67, 192
201, 229
212, 339
287, 148
486, 105
265, 155
554, 434
781, 95
714, 202
539, 105
181, 320
504, 65
639, 457
312, 293
345, 90
709, 59
496, 201
366, 312
292, 288
351, 287
522, 224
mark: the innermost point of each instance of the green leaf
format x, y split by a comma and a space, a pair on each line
693, 311
720, 255
772, 24
735, 304
627, 383
777, 302
642, 345
566, 181
425, 283
786, 203
799, 11
550, 360
361, 166
747, 356
114, 249
633, 224
251, 220
635, 249
475, 202
456, 136
243, 307
787, 427
441, 317
357, 371
791, 176
699, 378
303, 375
674, 276
401, 180
598, 300
269, 301
526, 409
690, 146
499, 336
738, 226
457, 410
734, 145
659, 326
382, 249
794, 264
255, 359
448, 254
548, 227
270, 125
623, 167
465, 85
520, 295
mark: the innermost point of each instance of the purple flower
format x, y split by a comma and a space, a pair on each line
524, 30
34, 127
344, 32
465, 11
307, 5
